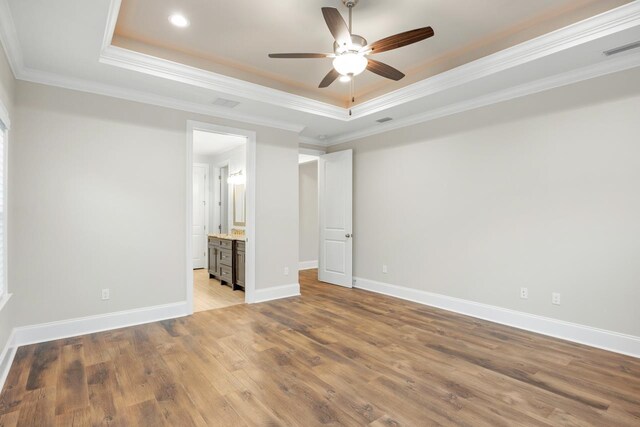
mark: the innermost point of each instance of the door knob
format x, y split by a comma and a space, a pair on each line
348, 235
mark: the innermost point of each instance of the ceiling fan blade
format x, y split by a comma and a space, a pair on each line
400, 40
329, 78
384, 70
337, 26
298, 55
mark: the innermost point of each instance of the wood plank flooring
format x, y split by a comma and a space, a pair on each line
208, 294
333, 356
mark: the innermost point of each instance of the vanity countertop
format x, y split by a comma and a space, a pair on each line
240, 238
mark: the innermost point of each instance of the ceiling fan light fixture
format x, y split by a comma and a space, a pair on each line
344, 79
350, 64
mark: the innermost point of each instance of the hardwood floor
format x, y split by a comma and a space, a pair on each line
208, 294
333, 356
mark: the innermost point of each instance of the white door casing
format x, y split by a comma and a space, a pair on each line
335, 194
200, 216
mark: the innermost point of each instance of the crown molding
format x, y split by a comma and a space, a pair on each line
610, 66
51, 79
174, 71
312, 141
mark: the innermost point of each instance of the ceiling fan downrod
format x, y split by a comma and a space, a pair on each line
350, 4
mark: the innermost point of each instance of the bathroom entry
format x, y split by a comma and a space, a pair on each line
219, 171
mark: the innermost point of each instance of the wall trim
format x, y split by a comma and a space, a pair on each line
276, 292
6, 359
163, 68
607, 340
307, 265
614, 65
25, 335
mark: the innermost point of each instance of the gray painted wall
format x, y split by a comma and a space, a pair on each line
308, 196
540, 192
97, 200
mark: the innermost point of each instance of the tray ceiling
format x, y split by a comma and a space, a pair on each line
233, 38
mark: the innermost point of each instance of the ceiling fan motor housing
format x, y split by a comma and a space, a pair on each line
357, 42
350, 3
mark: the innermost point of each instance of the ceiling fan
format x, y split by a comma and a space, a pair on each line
351, 51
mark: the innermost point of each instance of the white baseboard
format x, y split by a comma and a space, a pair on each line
307, 265
43, 332
6, 359
276, 292
594, 337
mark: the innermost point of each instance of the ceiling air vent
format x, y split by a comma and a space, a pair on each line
227, 103
385, 119
621, 49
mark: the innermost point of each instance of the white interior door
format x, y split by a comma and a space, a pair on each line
200, 217
335, 192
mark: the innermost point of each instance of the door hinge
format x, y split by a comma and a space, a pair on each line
219, 203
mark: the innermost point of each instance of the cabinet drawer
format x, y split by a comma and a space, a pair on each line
225, 257
226, 244
225, 273
220, 243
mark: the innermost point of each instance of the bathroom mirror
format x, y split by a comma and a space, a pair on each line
239, 205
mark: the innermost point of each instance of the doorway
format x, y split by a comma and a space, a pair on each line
220, 216
326, 229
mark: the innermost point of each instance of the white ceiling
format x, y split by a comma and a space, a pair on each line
210, 144
67, 43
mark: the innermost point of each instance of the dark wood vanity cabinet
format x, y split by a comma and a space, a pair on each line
227, 261
239, 264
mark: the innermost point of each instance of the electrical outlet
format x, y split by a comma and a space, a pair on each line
286, 271
385, 270
555, 298
105, 294
524, 293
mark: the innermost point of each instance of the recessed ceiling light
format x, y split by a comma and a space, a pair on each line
345, 79
179, 20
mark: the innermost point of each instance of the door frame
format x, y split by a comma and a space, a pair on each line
250, 229
207, 185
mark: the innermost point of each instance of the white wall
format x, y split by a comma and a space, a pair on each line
308, 196
97, 197
540, 192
